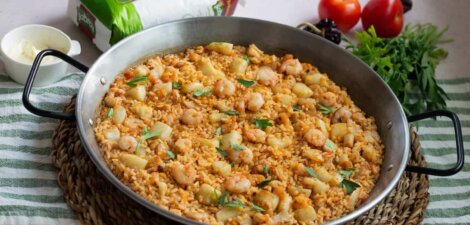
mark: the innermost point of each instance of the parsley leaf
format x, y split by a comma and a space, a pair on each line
170, 154
256, 207
247, 59
246, 83
218, 131
296, 108
237, 203
134, 81
232, 164
231, 112
200, 93
347, 173
325, 109
238, 147
146, 134
262, 123
264, 183
407, 63
109, 114
350, 186
176, 85
311, 172
221, 152
218, 8
150, 134
266, 170
223, 198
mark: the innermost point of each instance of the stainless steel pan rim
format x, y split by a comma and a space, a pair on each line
182, 219
94, 81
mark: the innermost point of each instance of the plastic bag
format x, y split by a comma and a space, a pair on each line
106, 22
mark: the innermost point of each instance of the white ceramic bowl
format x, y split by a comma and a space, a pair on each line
49, 72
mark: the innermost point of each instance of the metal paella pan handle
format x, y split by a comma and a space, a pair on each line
458, 139
32, 75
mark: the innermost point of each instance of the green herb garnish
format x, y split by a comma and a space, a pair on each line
329, 145
231, 112
200, 93
218, 131
407, 63
150, 134
221, 152
266, 170
296, 108
311, 172
325, 109
176, 85
247, 59
256, 208
134, 81
232, 164
170, 154
350, 186
223, 198
246, 83
347, 173
218, 9
146, 134
238, 147
109, 114
215, 197
237, 203
262, 123
264, 183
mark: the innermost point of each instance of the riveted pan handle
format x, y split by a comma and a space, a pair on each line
32, 75
458, 139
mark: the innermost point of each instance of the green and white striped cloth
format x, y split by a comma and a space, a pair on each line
29, 193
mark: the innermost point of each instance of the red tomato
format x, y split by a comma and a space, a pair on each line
385, 15
345, 13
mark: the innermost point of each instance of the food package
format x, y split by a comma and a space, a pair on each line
106, 22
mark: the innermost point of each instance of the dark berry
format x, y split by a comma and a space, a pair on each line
325, 28
407, 5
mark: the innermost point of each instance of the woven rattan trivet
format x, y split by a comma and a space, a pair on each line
96, 201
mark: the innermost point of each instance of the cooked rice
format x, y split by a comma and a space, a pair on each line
284, 150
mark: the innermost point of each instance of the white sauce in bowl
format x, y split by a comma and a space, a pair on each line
25, 51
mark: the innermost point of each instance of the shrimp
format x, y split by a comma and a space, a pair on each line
254, 101
111, 100
237, 184
183, 145
224, 88
308, 104
315, 137
240, 106
127, 143
341, 115
255, 135
241, 156
191, 117
291, 67
183, 175
328, 99
133, 123
266, 76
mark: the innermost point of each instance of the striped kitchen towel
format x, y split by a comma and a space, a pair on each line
450, 196
29, 193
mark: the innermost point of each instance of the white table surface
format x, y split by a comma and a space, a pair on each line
452, 13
